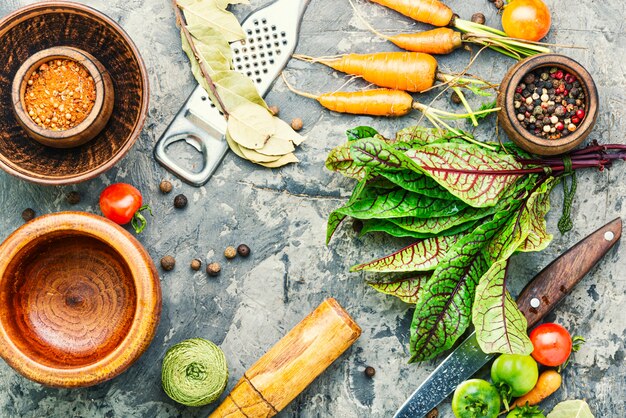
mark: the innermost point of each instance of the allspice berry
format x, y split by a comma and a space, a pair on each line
296, 124
73, 198
243, 250
28, 214
168, 262
180, 201
274, 110
165, 187
213, 269
455, 98
434, 413
196, 264
478, 18
370, 371
230, 252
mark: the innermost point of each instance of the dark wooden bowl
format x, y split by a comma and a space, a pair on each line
517, 133
93, 123
49, 24
80, 299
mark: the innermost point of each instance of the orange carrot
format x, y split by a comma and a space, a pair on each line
377, 102
432, 12
409, 71
548, 383
435, 41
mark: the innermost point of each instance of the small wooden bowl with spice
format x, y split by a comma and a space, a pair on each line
549, 104
62, 96
80, 299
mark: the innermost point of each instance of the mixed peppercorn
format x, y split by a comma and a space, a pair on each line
550, 103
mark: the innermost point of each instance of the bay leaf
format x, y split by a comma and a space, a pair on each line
236, 89
250, 125
234, 146
277, 146
285, 131
284, 160
571, 409
197, 72
256, 157
209, 36
223, 4
209, 13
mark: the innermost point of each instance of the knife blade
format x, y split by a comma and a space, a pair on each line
535, 301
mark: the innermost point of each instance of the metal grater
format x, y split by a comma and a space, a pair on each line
271, 37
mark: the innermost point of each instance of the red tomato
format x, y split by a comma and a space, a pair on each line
526, 19
119, 202
552, 343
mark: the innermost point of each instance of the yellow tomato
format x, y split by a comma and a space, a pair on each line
526, 19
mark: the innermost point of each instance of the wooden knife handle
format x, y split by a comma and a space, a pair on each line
555, 281
292, 364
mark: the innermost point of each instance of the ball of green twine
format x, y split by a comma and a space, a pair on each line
194, 372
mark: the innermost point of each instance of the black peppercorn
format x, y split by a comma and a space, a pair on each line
168, 262
243, 250
28, 214
213, 269
196, 264
73, 198
165, 187
370, 371
180, 201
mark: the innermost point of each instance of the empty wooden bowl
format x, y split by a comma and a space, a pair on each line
49, 24
97, 118
508, 116
80, 299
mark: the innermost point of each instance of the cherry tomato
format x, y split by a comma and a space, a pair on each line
121, 203
553, 344
526, 19
476, 398
516, 372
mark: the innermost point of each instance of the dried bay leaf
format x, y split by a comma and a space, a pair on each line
234, 147
209, 13
209, 36
284, 160
257, 157
571, 409
284, 131
250, 125
236, 89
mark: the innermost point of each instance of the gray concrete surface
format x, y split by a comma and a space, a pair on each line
281, 215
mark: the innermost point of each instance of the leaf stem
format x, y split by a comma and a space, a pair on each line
182, 23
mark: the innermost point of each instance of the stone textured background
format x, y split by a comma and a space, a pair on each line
281, 215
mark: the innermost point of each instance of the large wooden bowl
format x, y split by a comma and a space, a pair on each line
50, 24
507, 116
80, 299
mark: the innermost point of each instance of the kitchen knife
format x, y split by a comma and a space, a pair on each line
538, 298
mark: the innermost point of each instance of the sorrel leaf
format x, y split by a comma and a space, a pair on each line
469, 172
335, 218
388, 226
360, 132
417, 136
443, 313
398, 203
500, 326
340, 160
423, 255
407, 289
538, 237
377, 154
417, 183
441, 224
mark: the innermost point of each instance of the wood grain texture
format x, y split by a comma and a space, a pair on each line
80, 300
292, 364
95, 121
49, 24
558, 279
508, 117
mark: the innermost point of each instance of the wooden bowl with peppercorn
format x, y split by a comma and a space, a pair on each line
62, 96
98, 40
549, 104
80, 299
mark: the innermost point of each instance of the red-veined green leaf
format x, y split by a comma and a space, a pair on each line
421, 256
475, 175
441, 224
500, 326
407, 289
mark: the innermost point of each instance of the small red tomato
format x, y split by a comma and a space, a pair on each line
552, 344
526, 19
121, 203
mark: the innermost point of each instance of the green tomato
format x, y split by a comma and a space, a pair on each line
518, 372
526, 412
476, 398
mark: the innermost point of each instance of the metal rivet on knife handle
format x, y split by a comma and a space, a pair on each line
534, 302
609, 235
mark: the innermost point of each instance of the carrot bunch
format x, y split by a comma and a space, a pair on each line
445, 40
